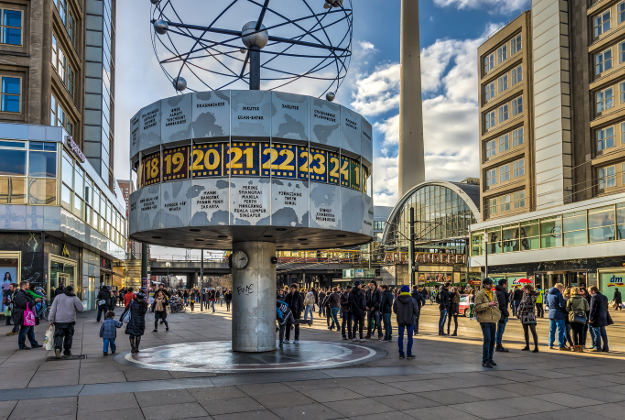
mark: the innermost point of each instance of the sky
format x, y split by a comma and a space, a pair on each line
451, 31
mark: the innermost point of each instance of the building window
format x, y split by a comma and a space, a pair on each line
10, 90
492, 206
603, 61
606, 177
489, 91
59, 117
622, 89
519, 168
489, 62
517, 137
504, 143
574, 228
491, 177
601, 23
490, 120
503, 83
601, 224
502, 54
10, 27
621, 52
517, 106
517, 75
504, 173
605, 138
491, 148
519, 199
515, 45
604, 100
503, 113
620, 10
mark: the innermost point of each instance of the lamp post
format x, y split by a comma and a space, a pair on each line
485, 255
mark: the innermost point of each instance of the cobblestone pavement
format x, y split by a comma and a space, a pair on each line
446, 381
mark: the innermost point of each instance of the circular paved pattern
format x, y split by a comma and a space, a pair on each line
218, 357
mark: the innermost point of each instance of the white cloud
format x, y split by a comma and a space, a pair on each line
376, 93
493, 6
385, 181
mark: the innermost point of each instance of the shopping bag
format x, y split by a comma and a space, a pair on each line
48, 340
29, 317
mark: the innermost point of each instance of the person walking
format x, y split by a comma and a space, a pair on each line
577, 307
373, 298
452, 311
63, 317
488, 315
296, 302
159, 307
525, 312
346, 321
618, 300
358, 310
405, 308
128, 297
136, 325
540, 311
334, 303
503, 300
320, 299
103, 301
598, 319
309, 305
443, 305
557, 313
386, 309
108, 333
228, 299
21, 302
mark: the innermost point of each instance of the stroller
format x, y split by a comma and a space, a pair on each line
176, 304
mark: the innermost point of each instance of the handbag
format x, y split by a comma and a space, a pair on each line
29, 317
101, 302
579, 319
48, 340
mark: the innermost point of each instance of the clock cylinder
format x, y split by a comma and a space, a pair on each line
253, 299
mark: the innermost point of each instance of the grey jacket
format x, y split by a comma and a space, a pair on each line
64, 308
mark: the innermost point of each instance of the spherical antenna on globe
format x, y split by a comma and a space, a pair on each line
303, 46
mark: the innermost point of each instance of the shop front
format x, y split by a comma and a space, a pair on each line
610, 280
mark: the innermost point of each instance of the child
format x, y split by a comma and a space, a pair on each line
108, 332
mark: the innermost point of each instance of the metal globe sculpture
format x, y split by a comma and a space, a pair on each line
302, 43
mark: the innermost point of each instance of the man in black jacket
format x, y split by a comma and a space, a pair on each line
346, 318
419, 297
373, 298
103, 301
598, 319
503, 298
20, 301
386, 308
443, 304
296, 303
358, 309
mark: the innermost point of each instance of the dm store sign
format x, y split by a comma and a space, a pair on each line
610, 281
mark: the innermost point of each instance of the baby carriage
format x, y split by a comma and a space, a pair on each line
176, 305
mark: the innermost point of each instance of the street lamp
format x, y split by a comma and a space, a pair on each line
485, 254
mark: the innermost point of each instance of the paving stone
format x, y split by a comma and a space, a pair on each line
216, 393
609, 411
448, 397
154, 398
511, 407
308, 411
375, 390
44, 408
94, 403
260, 389
233, 405
173, 411
249, 415
437, 413
392, 415
331, 394
406, 401
118, 414
568, 400
280, 400
351, 408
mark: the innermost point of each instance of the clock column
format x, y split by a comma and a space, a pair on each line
254, 298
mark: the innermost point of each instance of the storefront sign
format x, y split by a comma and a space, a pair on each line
359, 273
609, 281
75, 149
426, 258
65, 251
105, 263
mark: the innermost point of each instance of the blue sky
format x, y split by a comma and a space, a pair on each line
451, 31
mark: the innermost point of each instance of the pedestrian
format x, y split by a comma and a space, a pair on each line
103, 300
567, 325
503, 300
373, 298
525, 312
442, 298
453, 309
128, 297
420, 296
192, 300
320, 300
517, 295
358, 310
7, 297
586, 296
309, 305
406, 309
346, 321
212, 296
159, 307
228, 299
386, 309
540, 311
296, 303
577, 307
136, 325
108, 333
598, 319
21, 302
488, 315
63, 317
618, 299
334, 303
557, 314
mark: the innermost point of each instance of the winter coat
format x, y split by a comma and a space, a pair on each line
138, 309
104, 295
454, 303
577, 305
386, 304
525, 311
598, 311
344, 300
109, 327
357, 302
618, 299
419, 297
517, 295
296, 303
406, 308
483, 312
504, 301
334, 300
443, 299
374, 297
20, 300
556, 303
64, 308
310, 299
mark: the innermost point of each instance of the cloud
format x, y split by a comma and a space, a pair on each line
376, 93
493, 6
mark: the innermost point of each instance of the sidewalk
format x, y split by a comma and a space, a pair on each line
446, 380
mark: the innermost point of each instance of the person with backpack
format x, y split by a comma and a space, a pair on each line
63, 317
406, 308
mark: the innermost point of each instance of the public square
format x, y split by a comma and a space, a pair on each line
445, 381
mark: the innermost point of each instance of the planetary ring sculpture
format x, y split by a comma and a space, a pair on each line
279, 43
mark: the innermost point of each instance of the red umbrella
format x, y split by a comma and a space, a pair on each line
524, 281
